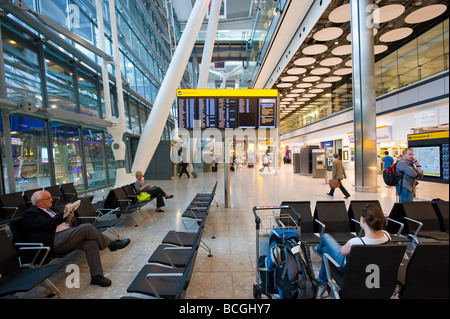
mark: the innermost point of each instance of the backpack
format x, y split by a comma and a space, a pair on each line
292, 279
390, 176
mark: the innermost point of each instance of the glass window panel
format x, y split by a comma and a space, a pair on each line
139, 82
61, 92
21, 69
127, 111
95, 163
30, 154
110, 160
82, 26
134, 116
431, 51
56, 10
407, 67
68, 163
87, 91
142, 116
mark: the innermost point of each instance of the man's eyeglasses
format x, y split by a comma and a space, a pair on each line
48, 198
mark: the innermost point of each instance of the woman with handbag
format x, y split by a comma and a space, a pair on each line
339, 174
141, 186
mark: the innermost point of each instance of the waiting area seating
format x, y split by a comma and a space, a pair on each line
16, 277
168, 272
420, 219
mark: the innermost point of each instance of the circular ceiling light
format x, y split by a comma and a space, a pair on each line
426, 13
332, 79
284, 85
311, 79
342, 50
288, 99
309, 95
304, 61
387, 13
296, 71
323, 85
396, 34
315, 49
343, 71
320, 71
289, 78
304, 85
379, 48
349, 36
330, 61
292, 95
305, 99
340, 14
315, 91
348, 63
328, 34
298, 90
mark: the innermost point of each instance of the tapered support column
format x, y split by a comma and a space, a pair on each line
209, 43
364, 103
153, 129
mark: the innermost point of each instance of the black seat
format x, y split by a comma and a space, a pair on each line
208, 194
370, 272
57, 195
420, 220
27, 195
11, 205
70, 193
441, 208
15, 279
333, 219
425, 274
355, 210
119, 200
87, 213
303, 208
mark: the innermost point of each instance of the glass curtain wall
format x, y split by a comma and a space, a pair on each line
49, 76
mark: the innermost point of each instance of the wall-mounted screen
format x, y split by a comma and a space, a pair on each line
267, 112
228, 108
248, 112
429, 159
187, 109
227, 112
208, 112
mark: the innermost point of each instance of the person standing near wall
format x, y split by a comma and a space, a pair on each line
410, 170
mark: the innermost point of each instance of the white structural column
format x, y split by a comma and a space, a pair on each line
153, 129
364, 103
208, 47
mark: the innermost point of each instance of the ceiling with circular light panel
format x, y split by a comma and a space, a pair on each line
322, 64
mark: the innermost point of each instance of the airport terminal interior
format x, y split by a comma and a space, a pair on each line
92, 91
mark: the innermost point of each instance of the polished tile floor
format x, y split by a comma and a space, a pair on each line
230, 273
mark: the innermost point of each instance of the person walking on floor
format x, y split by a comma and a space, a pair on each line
338, 172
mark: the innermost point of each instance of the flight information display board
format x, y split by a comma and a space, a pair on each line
227, 108
267, 111
187, 108
208, 112
248, 112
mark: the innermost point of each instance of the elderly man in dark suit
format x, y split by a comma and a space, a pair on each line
45, 224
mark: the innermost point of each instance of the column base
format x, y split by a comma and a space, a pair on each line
366, 189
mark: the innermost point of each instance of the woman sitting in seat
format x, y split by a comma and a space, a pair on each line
371, 221
141, 186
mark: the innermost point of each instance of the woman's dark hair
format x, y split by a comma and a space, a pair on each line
374, 216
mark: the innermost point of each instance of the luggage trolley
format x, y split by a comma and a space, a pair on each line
266, 219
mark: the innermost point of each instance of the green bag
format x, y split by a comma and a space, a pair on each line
143, 197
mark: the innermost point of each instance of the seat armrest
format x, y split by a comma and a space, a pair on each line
397, 222
11, 207
166, 251
150, 275
33, 261
322, 227
418, 228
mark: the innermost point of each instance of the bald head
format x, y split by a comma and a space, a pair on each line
42, 199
